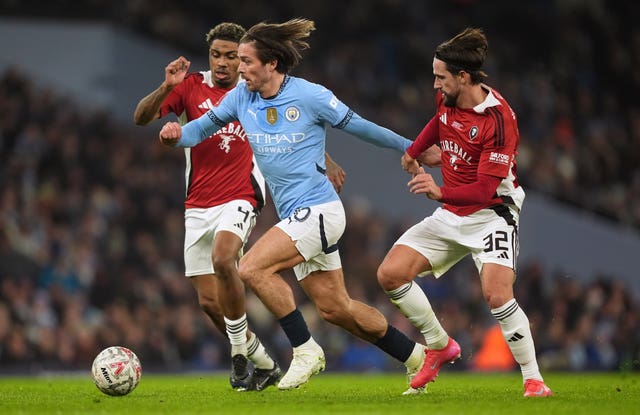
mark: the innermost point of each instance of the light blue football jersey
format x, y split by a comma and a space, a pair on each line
287, 134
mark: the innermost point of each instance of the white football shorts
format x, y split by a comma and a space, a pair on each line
201, 226
444, 238
316, 231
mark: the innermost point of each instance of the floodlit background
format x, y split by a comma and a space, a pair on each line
91, 206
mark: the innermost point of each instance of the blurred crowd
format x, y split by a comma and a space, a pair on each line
568, 68
91, 211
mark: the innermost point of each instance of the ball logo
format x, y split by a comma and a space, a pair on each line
292, 114
473, 133
106, 374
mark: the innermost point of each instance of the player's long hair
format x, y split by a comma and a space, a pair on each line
232, 32
281, 42
465, 52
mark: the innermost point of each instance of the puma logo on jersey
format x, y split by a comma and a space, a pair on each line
206, 105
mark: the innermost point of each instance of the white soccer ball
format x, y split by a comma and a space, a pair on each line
116, 371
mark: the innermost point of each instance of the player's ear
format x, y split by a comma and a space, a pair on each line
273, 64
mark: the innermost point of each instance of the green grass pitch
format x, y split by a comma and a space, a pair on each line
327, 393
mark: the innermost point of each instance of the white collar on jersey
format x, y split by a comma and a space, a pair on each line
489, 101
206, 78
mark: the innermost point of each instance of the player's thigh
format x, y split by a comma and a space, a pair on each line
497, 284
326, 289
435, 239
232, 230
400, 266
206, 287
274, 251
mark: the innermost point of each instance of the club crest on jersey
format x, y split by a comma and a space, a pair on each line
292, 114
272, 115
473, 133
225, 139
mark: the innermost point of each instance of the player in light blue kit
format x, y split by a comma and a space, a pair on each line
285, 119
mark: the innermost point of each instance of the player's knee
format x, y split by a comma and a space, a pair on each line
247, 271
210, 306
224, 266
332, 313
332, 316
496, 299
387, 279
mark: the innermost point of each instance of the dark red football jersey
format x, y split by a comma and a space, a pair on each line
221, 168
483, 139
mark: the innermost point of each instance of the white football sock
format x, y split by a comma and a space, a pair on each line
412, 301
517, 333
257, 353
237, 333
415, 358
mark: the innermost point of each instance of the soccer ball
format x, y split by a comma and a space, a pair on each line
116, 371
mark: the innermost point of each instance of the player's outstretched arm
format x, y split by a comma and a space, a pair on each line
148, 109
189, 135
375, 134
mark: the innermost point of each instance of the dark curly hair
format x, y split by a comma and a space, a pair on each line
226, 31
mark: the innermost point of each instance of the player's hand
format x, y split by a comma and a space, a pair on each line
175, 71
423, 183
409, 164
335, 173
170, 134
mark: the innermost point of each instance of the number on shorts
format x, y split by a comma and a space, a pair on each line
494, 242
246, 213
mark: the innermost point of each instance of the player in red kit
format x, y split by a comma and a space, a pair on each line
478, 134
224, 194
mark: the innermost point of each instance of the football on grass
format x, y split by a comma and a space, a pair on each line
116, 371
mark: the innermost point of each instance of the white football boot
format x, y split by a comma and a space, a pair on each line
308, 360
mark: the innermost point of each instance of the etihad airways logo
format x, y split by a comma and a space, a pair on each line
275, 143
275, 139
